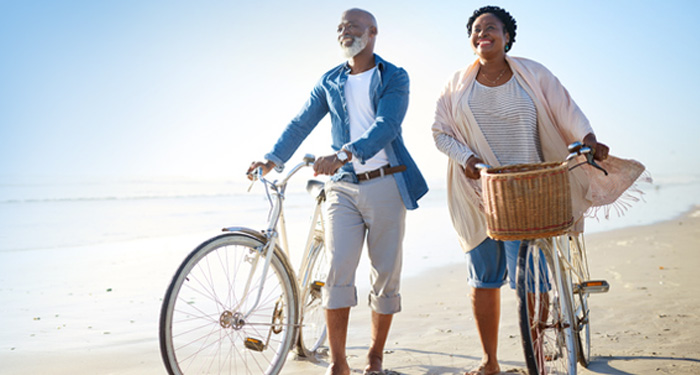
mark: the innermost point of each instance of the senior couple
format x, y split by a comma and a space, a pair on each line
499, 110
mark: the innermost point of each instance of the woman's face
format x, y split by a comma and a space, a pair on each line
489, 37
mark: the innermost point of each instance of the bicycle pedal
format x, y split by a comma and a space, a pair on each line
316, 288
254, 344
317, 285
595, 286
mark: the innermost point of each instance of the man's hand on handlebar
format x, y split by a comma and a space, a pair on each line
266, 167
327, 165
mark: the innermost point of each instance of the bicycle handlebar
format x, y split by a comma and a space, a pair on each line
257, 174
578, 148
575, 149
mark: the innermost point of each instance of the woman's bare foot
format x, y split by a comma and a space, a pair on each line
485, 369
338, 369
374, 363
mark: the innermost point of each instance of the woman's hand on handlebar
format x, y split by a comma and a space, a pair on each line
266, 167
471, 170
600, 150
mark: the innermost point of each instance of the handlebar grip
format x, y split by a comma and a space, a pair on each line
256, 174
482, 166
575, 147
309, 159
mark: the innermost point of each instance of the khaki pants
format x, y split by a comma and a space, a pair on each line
373, 209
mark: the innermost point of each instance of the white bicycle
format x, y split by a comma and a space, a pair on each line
553, 297
553, 281
236, 306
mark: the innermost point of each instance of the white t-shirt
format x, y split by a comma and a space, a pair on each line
362, 115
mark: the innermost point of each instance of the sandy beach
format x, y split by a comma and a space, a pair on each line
101, 317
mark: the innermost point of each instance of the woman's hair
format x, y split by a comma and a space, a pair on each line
505, 17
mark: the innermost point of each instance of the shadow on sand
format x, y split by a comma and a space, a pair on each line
430, 367
605, 365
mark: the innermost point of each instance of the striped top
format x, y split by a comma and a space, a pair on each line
508, 119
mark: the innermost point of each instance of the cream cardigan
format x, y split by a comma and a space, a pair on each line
560, 122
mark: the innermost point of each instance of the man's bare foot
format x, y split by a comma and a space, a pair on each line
338, 369
483, 369
374, 363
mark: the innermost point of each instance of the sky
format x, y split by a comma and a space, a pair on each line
199, 89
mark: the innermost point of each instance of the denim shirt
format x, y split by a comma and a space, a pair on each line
389, 96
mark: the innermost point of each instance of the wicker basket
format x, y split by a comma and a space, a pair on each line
527, 201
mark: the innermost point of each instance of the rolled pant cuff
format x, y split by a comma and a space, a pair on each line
338, 297
385, 305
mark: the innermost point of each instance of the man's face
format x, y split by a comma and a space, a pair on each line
353, 34
352, 45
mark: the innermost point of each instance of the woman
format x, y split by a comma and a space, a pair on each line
504, 110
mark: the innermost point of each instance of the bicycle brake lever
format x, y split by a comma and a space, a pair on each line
592, 162
257, 174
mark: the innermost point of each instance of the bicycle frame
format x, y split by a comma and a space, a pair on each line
314, 237
276, 228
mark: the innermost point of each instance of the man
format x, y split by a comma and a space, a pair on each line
374, 180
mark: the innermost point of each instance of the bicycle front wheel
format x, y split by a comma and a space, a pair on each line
312, 331
582, 313
208, 322
544, 310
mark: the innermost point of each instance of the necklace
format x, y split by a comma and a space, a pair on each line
493, 82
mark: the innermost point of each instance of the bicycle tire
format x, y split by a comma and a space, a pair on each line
544, 312
583, 332
312, 327
200, 329
582, 313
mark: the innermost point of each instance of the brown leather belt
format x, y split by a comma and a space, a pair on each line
383, 171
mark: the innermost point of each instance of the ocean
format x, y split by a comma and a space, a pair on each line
49, 217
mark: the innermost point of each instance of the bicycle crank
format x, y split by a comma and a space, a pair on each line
276, 327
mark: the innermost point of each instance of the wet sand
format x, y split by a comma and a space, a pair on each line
102, 319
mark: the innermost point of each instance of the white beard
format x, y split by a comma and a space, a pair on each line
358, 44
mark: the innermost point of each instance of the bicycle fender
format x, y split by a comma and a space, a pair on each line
256, 234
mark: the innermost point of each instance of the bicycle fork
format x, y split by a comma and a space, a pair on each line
236, 319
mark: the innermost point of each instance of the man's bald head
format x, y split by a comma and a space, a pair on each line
364, 15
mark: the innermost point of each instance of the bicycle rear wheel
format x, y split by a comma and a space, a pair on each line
203, 328
312, 331
544, 310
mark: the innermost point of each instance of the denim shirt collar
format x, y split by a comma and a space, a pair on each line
378, 62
